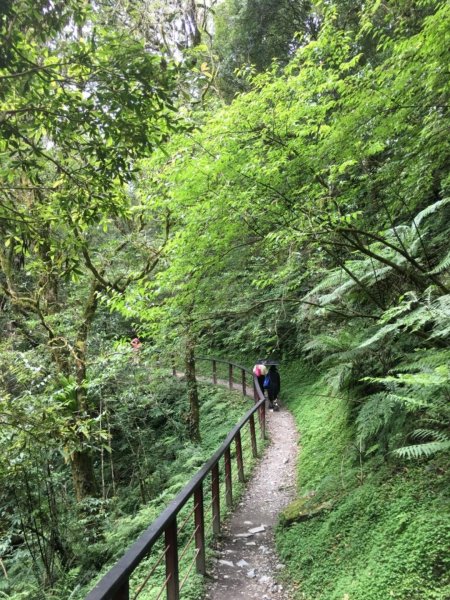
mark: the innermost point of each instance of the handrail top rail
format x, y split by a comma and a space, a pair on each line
227, 362
123, 568
267, 361
246, 369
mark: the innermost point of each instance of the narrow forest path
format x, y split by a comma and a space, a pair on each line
247, 566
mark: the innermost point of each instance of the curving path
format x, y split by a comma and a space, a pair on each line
247, 566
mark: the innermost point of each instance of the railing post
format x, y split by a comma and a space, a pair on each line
240, 462
215, 493
123, 593
253, 436
255, 393
262, 420
199, 530
214, 371
173, 589
244, 383
230, 376
228, 479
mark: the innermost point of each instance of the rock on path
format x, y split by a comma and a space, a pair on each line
247, 566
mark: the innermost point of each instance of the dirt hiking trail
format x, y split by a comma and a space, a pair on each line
246, 566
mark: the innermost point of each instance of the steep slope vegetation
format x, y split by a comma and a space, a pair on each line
384, 531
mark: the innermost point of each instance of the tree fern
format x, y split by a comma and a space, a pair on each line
406, 304
423, 394
338, 285
340, 376
330, 280
337, 293
323, 343
415, 392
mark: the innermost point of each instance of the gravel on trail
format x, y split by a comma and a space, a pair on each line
247, 566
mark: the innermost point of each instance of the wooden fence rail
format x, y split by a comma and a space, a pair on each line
115, 585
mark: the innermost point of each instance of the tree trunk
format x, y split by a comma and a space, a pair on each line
82, 464
83, 474
194, 410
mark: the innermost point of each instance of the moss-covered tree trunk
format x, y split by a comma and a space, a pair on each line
82, 462
84, 482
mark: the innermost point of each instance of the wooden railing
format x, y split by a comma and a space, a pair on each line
115, 585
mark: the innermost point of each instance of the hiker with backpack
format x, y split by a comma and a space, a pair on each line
260, 370
272, 384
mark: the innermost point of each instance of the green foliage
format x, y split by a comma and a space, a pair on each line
415, 398
308, 217
253, 33
387, 533
315, 213
377, 543
148, 427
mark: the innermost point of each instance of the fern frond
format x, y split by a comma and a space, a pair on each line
375, 275
375, 413
399, 231
337, 293
441, 308
422, 450
379, 335
332, 278
420, 380
324, 343
429, 210
410, 403
441, 333
442, 266
409, 299
416, 245
426, 434
339, 377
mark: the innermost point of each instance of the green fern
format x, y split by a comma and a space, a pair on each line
422, 450
375, 414
331, 280
379, 335
432, 208
325, 343
426, 434
444, 265
424, 359
339, 377
338, 286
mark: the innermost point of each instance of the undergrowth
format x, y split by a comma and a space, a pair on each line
387, 533
125, 521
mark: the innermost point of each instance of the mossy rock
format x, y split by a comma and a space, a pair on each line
302, 509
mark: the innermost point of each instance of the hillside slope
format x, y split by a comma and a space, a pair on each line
387, 534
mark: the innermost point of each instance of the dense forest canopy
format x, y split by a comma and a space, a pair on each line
242, 177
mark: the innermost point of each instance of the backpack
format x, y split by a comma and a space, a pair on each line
266, 382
